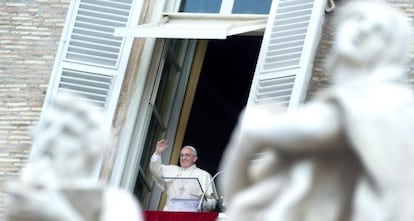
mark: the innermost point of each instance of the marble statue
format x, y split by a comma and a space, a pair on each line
58, 183
348, 154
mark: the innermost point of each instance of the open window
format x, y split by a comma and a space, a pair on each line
288, 37
289, 43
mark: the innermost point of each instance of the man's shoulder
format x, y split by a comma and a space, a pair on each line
199, 170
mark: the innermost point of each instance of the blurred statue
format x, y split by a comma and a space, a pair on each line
58, 183
346, 155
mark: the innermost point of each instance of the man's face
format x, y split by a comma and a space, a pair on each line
187, 157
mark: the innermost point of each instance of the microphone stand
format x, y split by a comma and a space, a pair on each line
203, 196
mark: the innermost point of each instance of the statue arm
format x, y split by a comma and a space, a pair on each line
310, 128
25, 200
121, 205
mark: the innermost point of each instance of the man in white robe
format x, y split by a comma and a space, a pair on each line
186, 184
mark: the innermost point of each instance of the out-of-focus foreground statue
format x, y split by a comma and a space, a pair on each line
346, 155
58, 184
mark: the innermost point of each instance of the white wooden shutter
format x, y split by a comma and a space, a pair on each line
91, 61
287, 52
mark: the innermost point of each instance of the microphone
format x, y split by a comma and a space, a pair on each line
203, 196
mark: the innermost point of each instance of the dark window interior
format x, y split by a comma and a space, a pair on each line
221, 94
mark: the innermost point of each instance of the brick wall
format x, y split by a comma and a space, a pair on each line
29, 35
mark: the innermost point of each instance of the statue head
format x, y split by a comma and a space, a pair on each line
370, 34
68, 141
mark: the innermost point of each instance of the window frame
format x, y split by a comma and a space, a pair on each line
209, 26
226, 6
139, 127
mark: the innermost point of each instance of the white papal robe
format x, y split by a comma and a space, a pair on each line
182, 188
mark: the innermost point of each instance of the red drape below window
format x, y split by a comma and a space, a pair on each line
180, 216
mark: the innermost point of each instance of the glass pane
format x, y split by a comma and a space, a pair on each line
159, 117
166, 92
142, 187
167, 86
154, 133
251, 7
204, 6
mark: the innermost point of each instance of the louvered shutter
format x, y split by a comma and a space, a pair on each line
91, 61
287, 52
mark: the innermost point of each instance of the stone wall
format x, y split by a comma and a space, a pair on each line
30, 31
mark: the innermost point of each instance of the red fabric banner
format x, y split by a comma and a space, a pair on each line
180, 216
